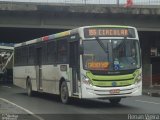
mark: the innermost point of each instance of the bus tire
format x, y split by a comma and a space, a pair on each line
115, 101
29, 88
64, 95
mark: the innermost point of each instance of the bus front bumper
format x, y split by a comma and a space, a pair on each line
108, 92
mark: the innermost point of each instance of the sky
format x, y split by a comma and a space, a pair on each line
137, 2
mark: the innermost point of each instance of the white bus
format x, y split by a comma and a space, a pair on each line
88, 62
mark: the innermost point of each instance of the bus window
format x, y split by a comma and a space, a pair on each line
51, 52
62, 51
31, 55
87, 58
44, 53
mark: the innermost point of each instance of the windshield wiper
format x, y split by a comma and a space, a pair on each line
102, 45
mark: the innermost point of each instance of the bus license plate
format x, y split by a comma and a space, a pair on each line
114, 91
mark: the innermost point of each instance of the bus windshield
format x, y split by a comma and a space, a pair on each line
111, 54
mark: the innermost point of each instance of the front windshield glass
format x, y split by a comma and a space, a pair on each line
111, 55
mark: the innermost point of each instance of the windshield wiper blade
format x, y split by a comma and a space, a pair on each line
102, 45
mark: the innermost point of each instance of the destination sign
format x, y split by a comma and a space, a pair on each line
98, 65
108, 32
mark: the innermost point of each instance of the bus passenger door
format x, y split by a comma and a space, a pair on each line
39, 68
74, 65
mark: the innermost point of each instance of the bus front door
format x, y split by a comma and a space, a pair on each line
39, 68
74, 65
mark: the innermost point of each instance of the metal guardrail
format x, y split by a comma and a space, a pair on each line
99, 2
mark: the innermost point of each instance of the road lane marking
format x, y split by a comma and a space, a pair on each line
6, 86
31, 113
148, 102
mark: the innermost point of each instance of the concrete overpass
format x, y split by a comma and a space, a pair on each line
67, 16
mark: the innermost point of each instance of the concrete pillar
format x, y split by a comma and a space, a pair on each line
146, 68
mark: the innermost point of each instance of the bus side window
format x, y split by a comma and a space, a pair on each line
31, 54
44, 53
51, 52
62, 51
24, 55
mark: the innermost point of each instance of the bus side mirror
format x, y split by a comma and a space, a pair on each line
81, 49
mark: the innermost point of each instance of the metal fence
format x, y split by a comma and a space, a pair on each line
84, 2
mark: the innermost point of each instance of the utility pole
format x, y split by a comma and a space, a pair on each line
118, 3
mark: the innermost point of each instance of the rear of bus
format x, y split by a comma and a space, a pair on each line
111, 62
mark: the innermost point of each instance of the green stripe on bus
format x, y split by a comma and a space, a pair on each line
119, 80
105, 77
116, 83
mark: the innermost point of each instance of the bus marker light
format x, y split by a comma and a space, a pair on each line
45, 38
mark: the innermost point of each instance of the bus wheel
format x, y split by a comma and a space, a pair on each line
64, 93
115, 101
29, 88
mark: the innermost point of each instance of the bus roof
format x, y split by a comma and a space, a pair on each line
116, 26
6, 47
66, 33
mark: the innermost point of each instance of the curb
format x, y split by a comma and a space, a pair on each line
151, 93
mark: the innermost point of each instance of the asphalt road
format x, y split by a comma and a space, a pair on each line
48, 106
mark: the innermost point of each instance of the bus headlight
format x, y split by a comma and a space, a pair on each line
86, 80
